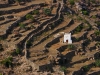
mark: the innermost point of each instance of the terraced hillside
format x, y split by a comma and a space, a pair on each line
32, 37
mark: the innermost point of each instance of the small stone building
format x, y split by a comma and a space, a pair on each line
67, 38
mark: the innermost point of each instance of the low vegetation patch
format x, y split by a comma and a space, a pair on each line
79, 28
86, 68
22, 26
71, 2
98, 23
97, 63
71, 46
30, 17
16, 52
7, 62
35, 12
28, 44
47, 11
63, 68
97, 32
85, 12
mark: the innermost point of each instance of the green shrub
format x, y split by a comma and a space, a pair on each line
97, 32
78, 29
2, 38
71, 46
29, 16
47, 11
35, 12
71, 2
7, 62
22, 26
97, 63
94, 16
98, 23
17, 51
28, 44
84, 12
98, 44
79, 18
32, 26
63, 68
61, 19
86, 68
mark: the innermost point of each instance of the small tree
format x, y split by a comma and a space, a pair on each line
78, 29
22, 26
97, 32
28, 44
35, 12
84, 12
47, 11
97, 63
29, 16
17, 51
86, 68
71, 2
70, 46
63, 68
7, 62
98, 23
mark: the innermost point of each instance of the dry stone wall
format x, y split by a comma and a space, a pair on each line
13, 25
31, 35
2, 12
52, 34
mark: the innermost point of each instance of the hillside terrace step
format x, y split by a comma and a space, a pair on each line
43, 24
12, 26
45, 37
55, 30
10, 10
6, 21
38, 58
4, 27
69, 29
56, 14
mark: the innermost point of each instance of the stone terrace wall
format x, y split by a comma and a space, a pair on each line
4, 5
10, 28
2, 12
52, 34
30, 35
29, 38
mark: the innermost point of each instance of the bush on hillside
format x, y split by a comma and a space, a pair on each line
47, 11
71, 2
7, 62
29, 16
